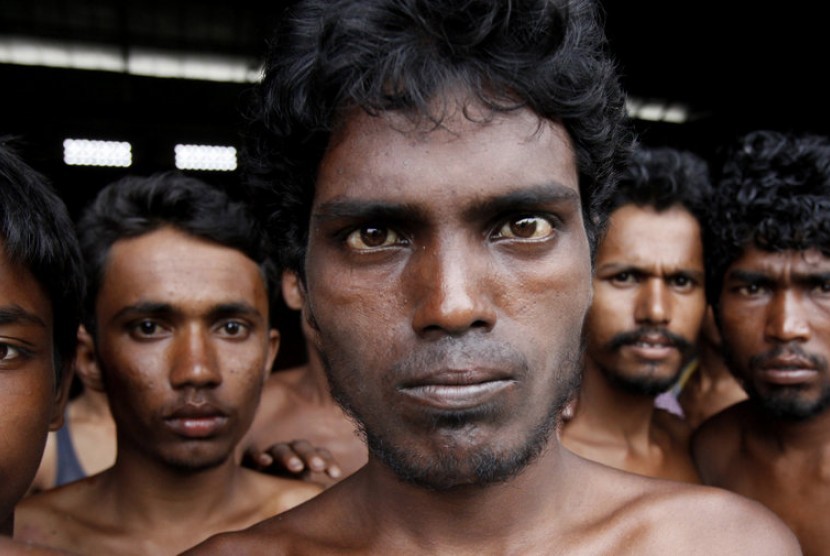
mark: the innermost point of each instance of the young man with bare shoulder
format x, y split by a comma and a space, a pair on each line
439, 169
178, 315
769, 270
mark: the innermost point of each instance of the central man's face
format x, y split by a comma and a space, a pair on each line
448, 275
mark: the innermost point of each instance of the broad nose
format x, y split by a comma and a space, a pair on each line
452, 287
194, 360
653, 304
787, 318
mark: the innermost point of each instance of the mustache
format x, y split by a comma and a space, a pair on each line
796, 352
460, 353
645, 333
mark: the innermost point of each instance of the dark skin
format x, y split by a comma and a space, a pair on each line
183, 362
711, 387
649, 276
297, 404
31, 401
449, 275
775, 322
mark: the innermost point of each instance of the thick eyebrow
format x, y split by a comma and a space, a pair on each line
12, 314
616, 268
749, 276
220, 311
528, 198
226, 310
145, 308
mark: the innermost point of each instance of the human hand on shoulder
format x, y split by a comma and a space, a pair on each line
296, 459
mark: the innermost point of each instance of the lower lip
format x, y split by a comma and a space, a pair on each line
787, 377
457, 397
197, 427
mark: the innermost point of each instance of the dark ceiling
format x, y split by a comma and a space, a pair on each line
737, 70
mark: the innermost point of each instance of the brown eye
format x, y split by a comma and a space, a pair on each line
527, 227
8, 353
372, 237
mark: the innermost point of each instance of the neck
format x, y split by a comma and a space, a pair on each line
452, 519
810, 435
610, 412
314, 383
147, 491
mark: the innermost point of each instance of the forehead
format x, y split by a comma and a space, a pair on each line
20, 290
642, 235
473, 153
169, 266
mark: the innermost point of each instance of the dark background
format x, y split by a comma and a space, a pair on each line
737, 67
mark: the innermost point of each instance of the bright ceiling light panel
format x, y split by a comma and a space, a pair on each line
215, 158
90, 152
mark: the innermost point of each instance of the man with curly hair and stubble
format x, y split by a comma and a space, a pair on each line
438, 171
769, 281
645, 316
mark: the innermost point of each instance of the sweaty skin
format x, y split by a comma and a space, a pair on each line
648, 284
183, 347
448, 276
775, 447
31, 402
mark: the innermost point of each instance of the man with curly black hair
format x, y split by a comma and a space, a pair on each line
644, 320
438, 171
768, 257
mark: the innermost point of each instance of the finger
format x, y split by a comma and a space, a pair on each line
285, 456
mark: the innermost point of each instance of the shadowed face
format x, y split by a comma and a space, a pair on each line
448, 275
775, 323
184, 346
30, 402
648, 298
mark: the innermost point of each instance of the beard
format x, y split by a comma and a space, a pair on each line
647, 382
785, 403
451, 468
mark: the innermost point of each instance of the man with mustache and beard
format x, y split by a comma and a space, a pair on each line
436, 171
768, 271
644, 319
179, 338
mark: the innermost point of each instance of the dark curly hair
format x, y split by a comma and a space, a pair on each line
137, 205
774, 194
36, 232
330, 56
662, 177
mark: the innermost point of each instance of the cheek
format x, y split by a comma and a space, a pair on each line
25, 411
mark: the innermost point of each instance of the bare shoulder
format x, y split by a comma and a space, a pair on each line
9, 547
274, 495
633, 514
296, 532
717, 440
331, 522
56, 516
692, 519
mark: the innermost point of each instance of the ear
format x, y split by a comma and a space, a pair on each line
709, 328
273, 349
86, 362
292, 290
61, 396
